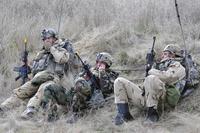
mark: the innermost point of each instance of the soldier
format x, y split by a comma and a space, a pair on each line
48, 69
84, 92
105, 78
161, 84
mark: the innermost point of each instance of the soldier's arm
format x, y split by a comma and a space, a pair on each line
174, 73
60, 55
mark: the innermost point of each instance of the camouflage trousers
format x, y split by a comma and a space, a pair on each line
30, 89
74, 99
56, 94
155, 90
55, 101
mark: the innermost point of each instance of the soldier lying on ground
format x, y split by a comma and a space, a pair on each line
84, 93
49, 68
164, 84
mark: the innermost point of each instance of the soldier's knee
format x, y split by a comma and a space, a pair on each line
50, 86
82, 90
41, 78
118, 83
52, 89
47, 85
151, 78
82, 87
48, 89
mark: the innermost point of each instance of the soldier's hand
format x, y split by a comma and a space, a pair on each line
52, 49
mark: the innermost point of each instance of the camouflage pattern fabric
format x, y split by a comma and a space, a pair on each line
42, 77
56, 94
159, 85
106, 79
48, 66
82, 93
94, 98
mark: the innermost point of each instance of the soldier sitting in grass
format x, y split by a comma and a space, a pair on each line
165, 83
49, 68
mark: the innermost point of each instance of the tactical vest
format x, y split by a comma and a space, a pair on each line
46, 62
41, 64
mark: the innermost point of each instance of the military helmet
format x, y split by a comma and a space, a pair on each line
105, 57
173, 49
49, 32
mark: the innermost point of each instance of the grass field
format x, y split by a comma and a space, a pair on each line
123, 28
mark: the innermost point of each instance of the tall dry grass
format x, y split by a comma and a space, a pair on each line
115, 26
107, 23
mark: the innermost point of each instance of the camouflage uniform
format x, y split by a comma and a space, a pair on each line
160, 84
78, 97
156, 86
87, 94
49, 68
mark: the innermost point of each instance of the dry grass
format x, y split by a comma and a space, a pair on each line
122, 27
101, 121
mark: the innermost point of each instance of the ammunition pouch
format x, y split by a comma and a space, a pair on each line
172, 95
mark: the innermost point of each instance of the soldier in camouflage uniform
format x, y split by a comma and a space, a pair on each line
49, 68
163, 83
105, 77
83, 92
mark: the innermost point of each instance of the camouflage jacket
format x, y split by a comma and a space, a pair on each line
53, 60
169, 71
106, 80
172, 73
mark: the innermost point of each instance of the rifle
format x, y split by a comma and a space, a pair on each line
141, 68
25, 69
150, 58
95, 82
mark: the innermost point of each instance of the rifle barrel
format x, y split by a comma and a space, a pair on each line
154, 39
128, 69
80, 58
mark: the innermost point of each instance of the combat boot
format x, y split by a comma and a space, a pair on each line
123, 114
152, 115
28, 113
